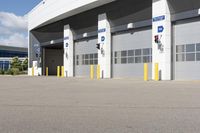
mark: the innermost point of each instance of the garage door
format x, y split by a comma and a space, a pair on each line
131, 49
187, 49
86, 54
53, 58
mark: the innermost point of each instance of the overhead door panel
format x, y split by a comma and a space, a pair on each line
186, 36
131, 49
86, 54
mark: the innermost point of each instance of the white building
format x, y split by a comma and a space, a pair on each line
130, 33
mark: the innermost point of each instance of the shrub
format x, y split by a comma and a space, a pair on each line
16, 63
8, 72
25, 65
13, 71
2, 72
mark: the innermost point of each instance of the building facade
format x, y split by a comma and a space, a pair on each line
118, 35
8, 52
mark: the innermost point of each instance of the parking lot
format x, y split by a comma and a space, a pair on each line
61, 105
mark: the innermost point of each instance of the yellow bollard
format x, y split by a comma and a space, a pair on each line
98, 71
156, 72
92, 72
33, 71
146, 72
58, 71
47, 71
62, 71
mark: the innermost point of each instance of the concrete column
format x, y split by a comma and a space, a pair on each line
68, 52
162, 29
104, 39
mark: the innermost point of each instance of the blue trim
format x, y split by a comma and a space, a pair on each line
7, 53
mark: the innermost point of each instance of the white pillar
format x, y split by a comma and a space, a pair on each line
104, 39
162, 29
68, 52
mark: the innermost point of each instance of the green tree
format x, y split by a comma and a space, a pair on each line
16, 63
25, 64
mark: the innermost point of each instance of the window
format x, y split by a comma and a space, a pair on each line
86, 62
91, 56
87, 59
91, 62
198, 47
130, 52
86, 56
95, 62
130, 60
123, 60
188, 52
198, 56
146, 59
138, 60
117, 61
190, 57
138, 52
96, 56
146, 51
133, 56
180, 48
180, 57
124, 53
190, 48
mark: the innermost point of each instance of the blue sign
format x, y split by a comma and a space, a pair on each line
66, 38
160, 29
103, 38
102, 30
159, 18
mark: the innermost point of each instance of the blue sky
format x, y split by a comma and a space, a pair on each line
13, 21
18, 7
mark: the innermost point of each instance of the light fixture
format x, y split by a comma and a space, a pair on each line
85, 34
130, 26
52, 42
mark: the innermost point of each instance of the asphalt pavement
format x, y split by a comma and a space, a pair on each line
78, 105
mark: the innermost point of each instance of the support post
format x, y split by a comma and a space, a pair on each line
68, 52
62, 72
47, 71
104, 39
98, 72
33, 72
161, 39
92, 72
146, 72
58, 71
156, 72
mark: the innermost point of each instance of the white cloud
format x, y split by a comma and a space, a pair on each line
13, 30
16, 39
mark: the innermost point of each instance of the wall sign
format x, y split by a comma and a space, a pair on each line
101, 30
103, 38
66, 38
159, 18
160, 29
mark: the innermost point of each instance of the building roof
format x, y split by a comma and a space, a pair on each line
12, 48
